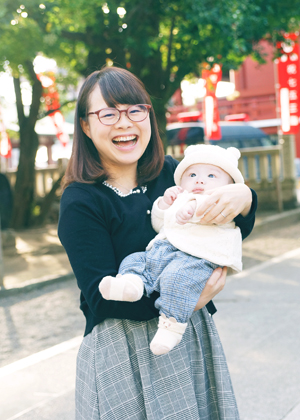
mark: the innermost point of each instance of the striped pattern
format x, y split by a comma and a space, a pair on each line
118, 377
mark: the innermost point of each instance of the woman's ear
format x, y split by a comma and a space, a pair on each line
85, 127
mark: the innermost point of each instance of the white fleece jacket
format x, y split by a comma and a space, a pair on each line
220, 244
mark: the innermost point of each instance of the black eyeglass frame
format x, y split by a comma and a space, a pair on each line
120, 112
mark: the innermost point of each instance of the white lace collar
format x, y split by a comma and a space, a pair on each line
137, 190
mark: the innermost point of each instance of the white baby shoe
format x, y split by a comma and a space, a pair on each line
168, 335
125, 288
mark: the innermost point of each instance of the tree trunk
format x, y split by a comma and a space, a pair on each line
25, 181
47, 203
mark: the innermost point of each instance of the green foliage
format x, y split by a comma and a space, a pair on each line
24, 35
162, 41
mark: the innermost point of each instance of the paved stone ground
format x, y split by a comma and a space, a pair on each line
264, 244
37, 253
39, 319
258, 321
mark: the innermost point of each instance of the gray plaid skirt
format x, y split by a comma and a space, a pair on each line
118, 377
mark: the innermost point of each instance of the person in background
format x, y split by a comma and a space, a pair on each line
116, 171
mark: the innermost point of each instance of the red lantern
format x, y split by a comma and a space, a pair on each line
211, 114
5, 143
51, 97
288, 84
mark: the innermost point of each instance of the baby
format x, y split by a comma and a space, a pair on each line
181, 258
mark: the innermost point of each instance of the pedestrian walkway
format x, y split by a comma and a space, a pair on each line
38, 257
258, 320
40, 386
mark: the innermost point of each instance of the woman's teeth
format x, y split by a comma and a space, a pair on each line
125, 141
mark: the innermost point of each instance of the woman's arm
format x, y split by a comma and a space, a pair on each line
213, 286
84, 234
246, 223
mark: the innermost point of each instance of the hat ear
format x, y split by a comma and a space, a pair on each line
190, 149
234, 151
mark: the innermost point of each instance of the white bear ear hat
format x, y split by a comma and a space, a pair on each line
226, 159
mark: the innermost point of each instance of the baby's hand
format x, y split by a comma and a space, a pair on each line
186, 212
169, 197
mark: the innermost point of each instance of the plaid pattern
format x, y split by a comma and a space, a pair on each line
118, 377
179, 277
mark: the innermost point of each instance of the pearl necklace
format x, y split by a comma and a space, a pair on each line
142, 189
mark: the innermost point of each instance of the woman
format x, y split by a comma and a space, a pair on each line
116, 171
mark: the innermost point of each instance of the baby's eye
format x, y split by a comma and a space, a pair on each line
211, 176
192, 175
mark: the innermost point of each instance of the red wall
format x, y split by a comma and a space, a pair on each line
255, 87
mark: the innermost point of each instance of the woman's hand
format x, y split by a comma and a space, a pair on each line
214, 285
223, 204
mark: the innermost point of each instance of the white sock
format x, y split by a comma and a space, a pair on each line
168, 335
125, 288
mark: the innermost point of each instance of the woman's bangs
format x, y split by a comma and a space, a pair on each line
115, 90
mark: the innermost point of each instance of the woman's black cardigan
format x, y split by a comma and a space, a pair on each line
98, 229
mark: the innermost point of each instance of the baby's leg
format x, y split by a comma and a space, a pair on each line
125, 288
168, 335
181, 284
128, 285
139, 269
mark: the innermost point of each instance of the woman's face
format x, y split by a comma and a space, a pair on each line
121, 144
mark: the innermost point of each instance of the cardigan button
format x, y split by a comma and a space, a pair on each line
148, 211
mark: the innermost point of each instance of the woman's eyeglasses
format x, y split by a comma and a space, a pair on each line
110, 116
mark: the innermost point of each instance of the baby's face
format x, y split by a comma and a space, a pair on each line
201, 177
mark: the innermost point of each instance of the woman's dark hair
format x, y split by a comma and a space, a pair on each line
118, 86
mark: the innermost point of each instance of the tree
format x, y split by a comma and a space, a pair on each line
23, 36
158, 40
163, 41
20, 33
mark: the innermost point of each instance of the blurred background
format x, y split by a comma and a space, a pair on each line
224, 73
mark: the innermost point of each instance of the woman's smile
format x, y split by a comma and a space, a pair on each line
125, 142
